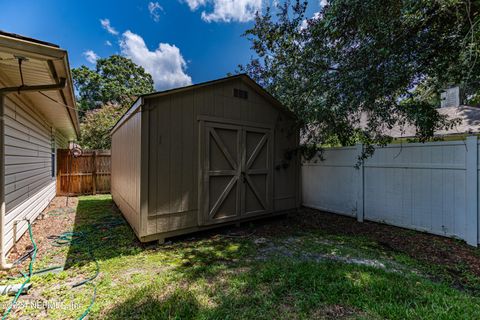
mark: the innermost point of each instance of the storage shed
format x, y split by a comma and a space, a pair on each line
205, 155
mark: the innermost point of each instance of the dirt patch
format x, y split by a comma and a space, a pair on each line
455, 255
57, 218
335, 311
459, 260
291, 248
286, 308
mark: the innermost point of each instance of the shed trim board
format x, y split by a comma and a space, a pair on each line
144, 171
202, 207
174, 233
238, 122
183, 184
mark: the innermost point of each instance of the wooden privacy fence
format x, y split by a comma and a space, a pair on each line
88, 173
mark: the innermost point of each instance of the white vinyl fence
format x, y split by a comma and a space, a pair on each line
431, 187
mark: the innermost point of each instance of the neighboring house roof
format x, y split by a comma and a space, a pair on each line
45, 64
245, 78
469, 123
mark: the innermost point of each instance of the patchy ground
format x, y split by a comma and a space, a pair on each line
450, 259
305, 265
58, 217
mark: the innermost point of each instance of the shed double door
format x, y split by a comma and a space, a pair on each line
237, 172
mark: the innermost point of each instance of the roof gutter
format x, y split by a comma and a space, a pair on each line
46, 87
73, 113
18, 45
3, 92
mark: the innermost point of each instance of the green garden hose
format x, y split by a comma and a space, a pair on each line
27, 277
64, 239
37, 272
92, 301
68, 239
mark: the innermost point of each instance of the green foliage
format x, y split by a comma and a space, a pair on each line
360, 67
95, 127
105, 94
115, 79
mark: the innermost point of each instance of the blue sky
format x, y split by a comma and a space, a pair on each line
178, 41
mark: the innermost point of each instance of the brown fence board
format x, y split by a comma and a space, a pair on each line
86, 174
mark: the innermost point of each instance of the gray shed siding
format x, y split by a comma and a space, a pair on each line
125, 169
173, 178
172, 144
29, 185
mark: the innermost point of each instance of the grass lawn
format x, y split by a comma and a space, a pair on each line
308, 265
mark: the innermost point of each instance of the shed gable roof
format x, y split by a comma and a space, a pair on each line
245, 78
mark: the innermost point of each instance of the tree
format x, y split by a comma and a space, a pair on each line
95, 127
116, 80
360, 66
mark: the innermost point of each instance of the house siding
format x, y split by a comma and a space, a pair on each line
29, 185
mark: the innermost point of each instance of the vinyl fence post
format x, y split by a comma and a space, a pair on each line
472, 191
360, 185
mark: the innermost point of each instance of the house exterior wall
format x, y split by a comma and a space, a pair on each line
173, 150
29, 182
432, 187
125, 169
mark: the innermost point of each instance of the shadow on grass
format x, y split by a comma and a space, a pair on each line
104, 232
144, 304
213, 277
107, 235
286, 289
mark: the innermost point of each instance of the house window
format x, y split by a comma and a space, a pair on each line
53, 155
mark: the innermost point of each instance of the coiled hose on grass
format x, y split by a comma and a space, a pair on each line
64, 239
27, 277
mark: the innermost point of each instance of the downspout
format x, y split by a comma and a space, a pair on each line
3, 260
3, 92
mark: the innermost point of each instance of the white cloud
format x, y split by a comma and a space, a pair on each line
108, 43
154, 8
106, 25
304, 23
194, 4
165, 64
91, 56
227, 10
323, 3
